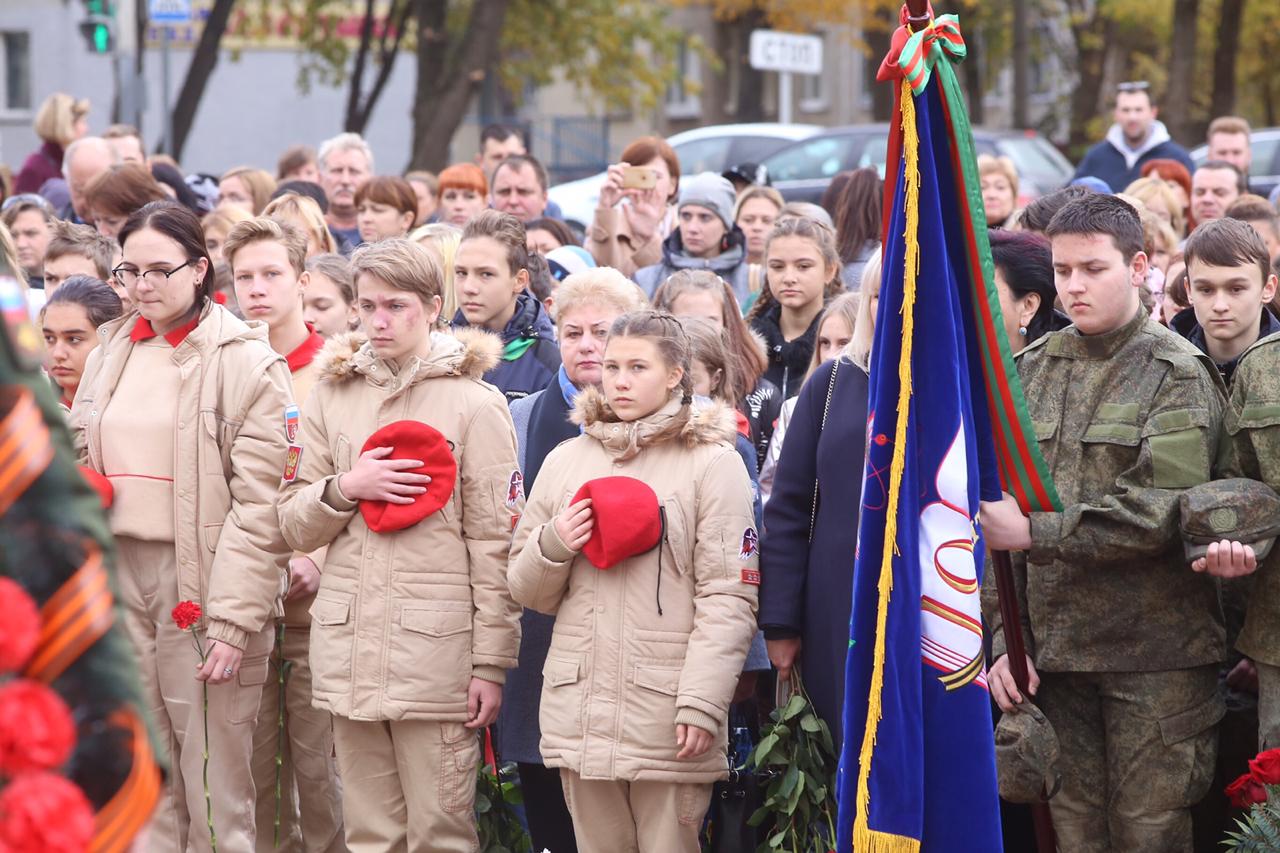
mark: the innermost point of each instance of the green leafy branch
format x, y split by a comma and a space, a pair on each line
797, 754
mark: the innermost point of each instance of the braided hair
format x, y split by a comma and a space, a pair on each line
669, 336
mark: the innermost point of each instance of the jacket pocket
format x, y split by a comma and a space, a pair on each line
332, 639
1180, 456
560, 714
342, 455
248, 690
649, 724
430, 654
212, 533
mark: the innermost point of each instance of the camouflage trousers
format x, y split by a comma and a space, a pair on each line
1268, 705
1138, 750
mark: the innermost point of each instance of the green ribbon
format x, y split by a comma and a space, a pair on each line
517, 347
925, 47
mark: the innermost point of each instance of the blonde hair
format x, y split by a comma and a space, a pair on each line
262, 229
9, 252
445, 239
223, 219
299, 207
56, 120
767, 193
401, 264
864, 327
258, 182
707, 346
1150, 189
1004, 166
602, 286
845, 307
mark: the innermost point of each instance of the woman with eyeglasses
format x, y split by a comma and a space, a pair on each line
189, 414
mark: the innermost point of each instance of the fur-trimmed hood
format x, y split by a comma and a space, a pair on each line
691, 425
463, 352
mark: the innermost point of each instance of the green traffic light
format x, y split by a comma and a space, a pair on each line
101, 38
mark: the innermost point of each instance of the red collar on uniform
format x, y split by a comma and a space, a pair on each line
306, 351
142, 331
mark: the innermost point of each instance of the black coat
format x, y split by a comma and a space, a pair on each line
806, 587
788, 360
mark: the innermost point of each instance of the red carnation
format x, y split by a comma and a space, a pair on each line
44, 813
21, 621
186, 614
1266, 767
36, 728
1245, 792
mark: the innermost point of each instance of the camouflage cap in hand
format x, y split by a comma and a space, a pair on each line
1239, 509
1027, 756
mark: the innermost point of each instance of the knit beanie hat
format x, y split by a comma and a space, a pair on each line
712, 191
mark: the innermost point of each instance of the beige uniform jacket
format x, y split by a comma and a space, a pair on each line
611, 243
619, 675
403, 620
230, 449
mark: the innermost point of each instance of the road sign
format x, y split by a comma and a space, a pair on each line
169, 11
772, 50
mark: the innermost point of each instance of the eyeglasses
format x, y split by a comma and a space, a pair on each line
155, 277
1133, 86
27, 198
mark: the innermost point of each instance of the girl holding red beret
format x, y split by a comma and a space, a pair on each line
412, 628
645, 655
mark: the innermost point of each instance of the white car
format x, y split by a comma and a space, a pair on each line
704, 149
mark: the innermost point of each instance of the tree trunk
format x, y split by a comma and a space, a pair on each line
878, 33
203, 61
750, 100
360, 107
1021, 65
1092, 49
971, 72
1177, 100
448, 76
1230, 14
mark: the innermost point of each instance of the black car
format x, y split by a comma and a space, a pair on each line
802, 170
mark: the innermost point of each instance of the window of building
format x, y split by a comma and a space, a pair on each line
815, 89
15, 71
682, 96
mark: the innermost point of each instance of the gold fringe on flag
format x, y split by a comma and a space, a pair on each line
865, 839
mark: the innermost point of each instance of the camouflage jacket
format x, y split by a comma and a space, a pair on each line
1126, 420
1253, 426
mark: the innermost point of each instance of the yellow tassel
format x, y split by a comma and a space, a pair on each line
865, 839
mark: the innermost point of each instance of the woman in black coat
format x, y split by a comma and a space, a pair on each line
807, 574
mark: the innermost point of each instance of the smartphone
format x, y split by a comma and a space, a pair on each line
639, 178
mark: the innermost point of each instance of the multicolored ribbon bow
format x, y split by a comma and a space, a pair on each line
925, 47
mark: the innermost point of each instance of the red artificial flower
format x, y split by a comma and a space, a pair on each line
1245, 792
1266, 767
37, 731
44, 813
21, 621
186, 615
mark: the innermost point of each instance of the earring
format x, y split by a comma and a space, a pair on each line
1022, 330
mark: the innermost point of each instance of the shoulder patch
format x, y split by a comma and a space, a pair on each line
292, 459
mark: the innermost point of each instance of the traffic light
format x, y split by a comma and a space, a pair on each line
96, 26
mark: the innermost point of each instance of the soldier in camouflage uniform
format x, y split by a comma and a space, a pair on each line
1123, 638
1232, 250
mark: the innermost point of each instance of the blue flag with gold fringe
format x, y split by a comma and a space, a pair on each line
947, 427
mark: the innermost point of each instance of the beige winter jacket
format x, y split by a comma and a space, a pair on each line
230, 447
620, 675
611, 243
404, 620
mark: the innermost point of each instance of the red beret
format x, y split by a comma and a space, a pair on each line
628, 520
412, 440
101, 485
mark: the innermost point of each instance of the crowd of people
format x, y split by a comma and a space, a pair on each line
316, 400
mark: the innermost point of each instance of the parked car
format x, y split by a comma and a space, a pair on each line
704, 149
1264, 172
803, 170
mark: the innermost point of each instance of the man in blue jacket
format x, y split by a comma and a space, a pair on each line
1135, 138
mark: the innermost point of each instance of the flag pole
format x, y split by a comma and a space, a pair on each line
1015, 648
1046, 839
